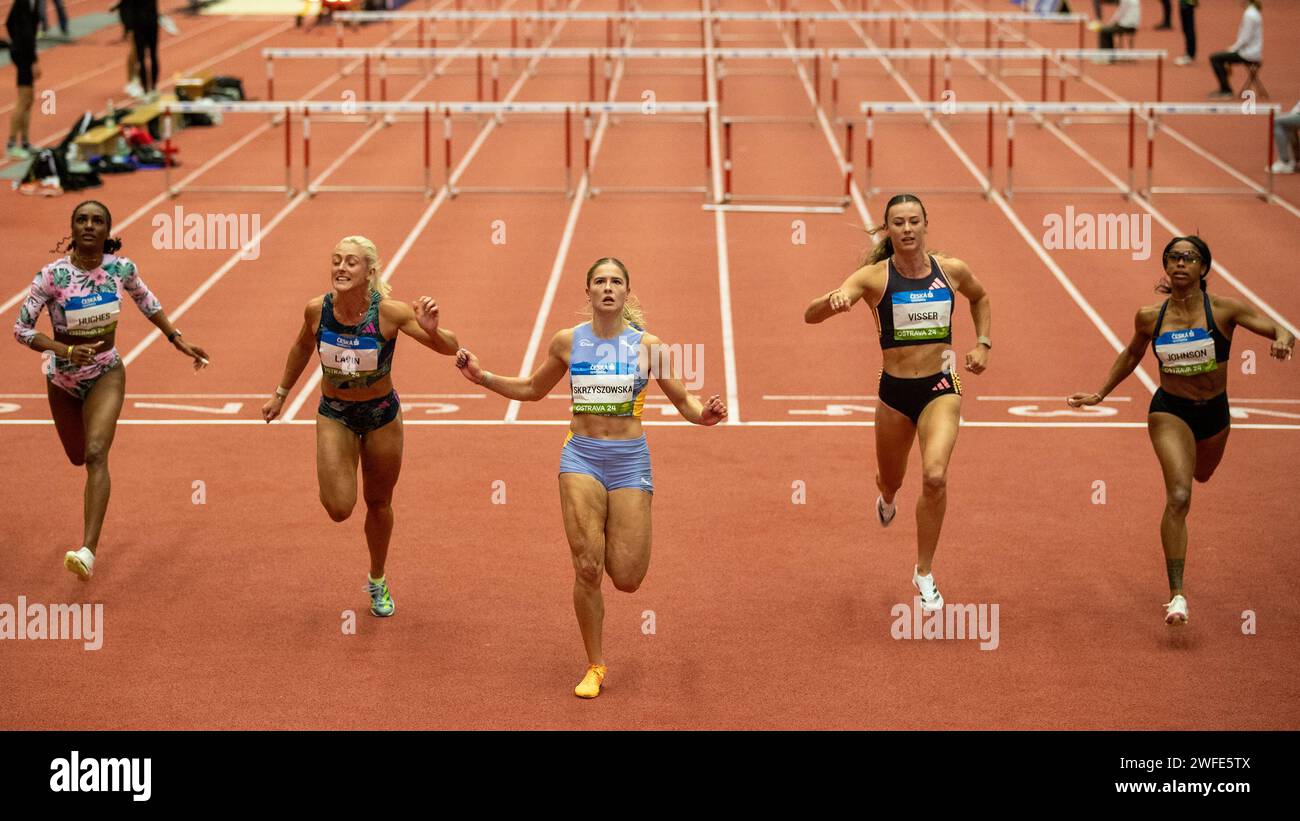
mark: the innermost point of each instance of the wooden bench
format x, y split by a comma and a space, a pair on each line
100, 141
145, 115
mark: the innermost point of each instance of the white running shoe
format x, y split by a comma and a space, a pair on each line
885, 513
1184, 60
1281, 167
81, 562
134, 88
1176, 612
931, 599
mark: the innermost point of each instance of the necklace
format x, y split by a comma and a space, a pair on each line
1181, 300
80, 263
365, 309
899, 268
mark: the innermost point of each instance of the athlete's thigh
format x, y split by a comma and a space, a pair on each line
337, 453
1175, 448
627, 534
937, 430
381, 461
584, 506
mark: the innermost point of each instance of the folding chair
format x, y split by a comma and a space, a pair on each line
1253, 81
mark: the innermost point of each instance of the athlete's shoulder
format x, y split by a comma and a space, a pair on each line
395, 309
952, 266
1145, 320
1227, 305
314, 307
564, 336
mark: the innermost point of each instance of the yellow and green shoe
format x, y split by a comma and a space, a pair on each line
381, 601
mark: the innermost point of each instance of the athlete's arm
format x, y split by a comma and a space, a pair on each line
529, 389
1127, 360
663, 368
419, 320
857, 286
1246, 316
153, 311
959, 273
299, 355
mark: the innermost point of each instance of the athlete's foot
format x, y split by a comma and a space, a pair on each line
885, 513
381, 601
931, 600
80, 562
589, 687
1176, 611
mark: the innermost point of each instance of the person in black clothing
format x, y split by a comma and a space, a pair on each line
141, 17
1166, 20
21, 25
60, 10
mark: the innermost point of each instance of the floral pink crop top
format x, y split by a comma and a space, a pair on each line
83, 303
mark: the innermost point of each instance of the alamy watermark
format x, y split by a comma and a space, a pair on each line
195, 231
956, 622
1073, 231
65, 622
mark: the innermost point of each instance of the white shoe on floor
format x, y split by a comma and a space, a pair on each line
81, 562
1184, 60
134, 89
931, 600
1280, 167
885, 513
1176, 612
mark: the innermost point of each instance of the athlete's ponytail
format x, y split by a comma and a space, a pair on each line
1164, 286
377, 284
885, 248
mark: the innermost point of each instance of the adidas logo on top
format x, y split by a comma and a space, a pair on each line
938, 283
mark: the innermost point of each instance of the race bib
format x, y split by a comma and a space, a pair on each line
348, 355
603, 387
1186, 352
92, 314
921, 314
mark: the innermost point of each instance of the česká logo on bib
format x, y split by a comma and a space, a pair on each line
921, 314
92, 314
350, 355
1186, 352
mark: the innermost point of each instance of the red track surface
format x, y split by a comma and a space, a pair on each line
768, 613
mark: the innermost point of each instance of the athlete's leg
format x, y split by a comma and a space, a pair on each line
337, 452
1176, 449
381, 462
627, 537
1209, 452
68, 423
583, 503
937, 430
100, 411
894, 436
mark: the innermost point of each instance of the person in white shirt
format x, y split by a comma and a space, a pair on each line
1126, 18
1248, 47
1286, 132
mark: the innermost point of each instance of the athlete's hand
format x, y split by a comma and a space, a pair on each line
1282, 347
839, 302
85, 354
1081, 399
714, 411
468, 364
272, 408
977, 359
426, 313
194, 352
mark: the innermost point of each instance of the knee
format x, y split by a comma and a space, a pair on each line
95, 454
337, 511
934, 481
588, 571
626, 585
379, 504
1178, 499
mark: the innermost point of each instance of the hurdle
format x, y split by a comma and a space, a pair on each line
872, 110
1128, 114
283, 112
425, 113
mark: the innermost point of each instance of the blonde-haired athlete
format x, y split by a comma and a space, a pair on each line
353, 329
605, 481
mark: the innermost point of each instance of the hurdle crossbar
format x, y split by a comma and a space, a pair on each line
1130, 113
